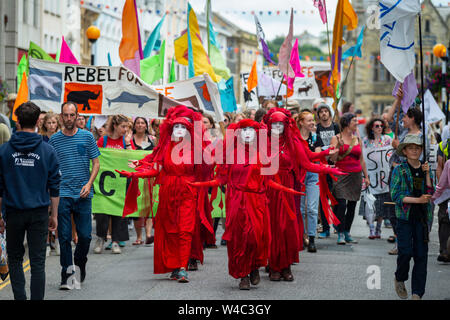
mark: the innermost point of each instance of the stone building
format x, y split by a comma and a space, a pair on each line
369, 85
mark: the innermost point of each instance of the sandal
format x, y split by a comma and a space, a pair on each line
138, 243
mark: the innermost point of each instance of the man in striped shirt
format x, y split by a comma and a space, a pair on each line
75, 148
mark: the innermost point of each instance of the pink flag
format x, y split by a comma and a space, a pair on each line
284, 54
320, 4
295, 64
66, 54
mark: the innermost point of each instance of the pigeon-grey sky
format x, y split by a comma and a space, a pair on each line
307, 17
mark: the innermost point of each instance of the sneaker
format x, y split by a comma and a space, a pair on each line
183, 276
254, 277
415, 297
64, 277
174, 274
393, 252
286, 274
378, 234
244, 284
109, 246
348, 238
443, 258
192, 265
340, 239
57, 248
115, 248
98, 248
325, 234
372, 235
122, 244
400, 289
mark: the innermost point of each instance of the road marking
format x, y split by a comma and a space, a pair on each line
6, 282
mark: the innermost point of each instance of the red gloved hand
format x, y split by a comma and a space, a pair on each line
212, 183
125, 173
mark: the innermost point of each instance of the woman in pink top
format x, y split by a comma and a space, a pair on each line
441, 197
347, 189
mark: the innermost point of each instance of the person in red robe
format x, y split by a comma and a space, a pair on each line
172, 162
286, 227
247, 230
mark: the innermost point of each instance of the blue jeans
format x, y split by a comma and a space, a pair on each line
33, 222
81, 210
312, 197
410, 242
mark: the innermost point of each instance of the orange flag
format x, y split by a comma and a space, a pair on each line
130, 49
252, 81
22, 95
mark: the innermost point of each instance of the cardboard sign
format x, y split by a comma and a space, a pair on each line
377, 163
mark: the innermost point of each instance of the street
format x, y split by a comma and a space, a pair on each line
360, 271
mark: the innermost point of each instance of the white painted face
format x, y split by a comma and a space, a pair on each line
179, 131
248, 134
278, 128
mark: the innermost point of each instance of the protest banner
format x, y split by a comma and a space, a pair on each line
115, 90
199, 92
110, 188
312, 85
432, 161
377, 163
250, 98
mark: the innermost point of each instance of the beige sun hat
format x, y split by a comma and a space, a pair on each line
409, 139
11, 97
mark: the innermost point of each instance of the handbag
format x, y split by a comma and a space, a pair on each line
4, 270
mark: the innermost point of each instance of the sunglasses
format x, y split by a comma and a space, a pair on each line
378, 126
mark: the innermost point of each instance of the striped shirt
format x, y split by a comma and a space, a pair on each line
74, 154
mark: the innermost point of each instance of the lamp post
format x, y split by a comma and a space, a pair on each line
440, 51
92, 33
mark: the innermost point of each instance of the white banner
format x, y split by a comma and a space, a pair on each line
311, 86
199, 92
377, 163
114, 90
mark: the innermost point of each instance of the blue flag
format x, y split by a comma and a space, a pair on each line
356, 49
227, 98
153, 39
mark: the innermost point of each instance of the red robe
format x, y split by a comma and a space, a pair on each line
176, 216
285, 231
247, 229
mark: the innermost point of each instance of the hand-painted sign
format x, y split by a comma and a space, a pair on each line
116, 90
199, 92
377, 163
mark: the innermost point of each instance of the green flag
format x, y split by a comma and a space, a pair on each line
172, 72
36, 52
152, 69
21, 68
218, 62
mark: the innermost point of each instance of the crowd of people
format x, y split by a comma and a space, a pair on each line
268, 218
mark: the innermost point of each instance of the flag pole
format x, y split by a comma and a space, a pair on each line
422, 88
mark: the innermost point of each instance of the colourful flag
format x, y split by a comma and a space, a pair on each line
198, 60
345, 16
66, 54
356, 49
152, 68
154, 37
410, 91
130, 50
252, 81
217, 60
320, 4
34, 51
284, 56
261, 40
295, 64
172, 77
227, 97
22, 95
21, 68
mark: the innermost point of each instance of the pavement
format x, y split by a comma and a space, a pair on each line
362, 271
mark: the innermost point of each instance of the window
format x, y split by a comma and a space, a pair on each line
378, 107
427, 25
380, 73
36, 11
